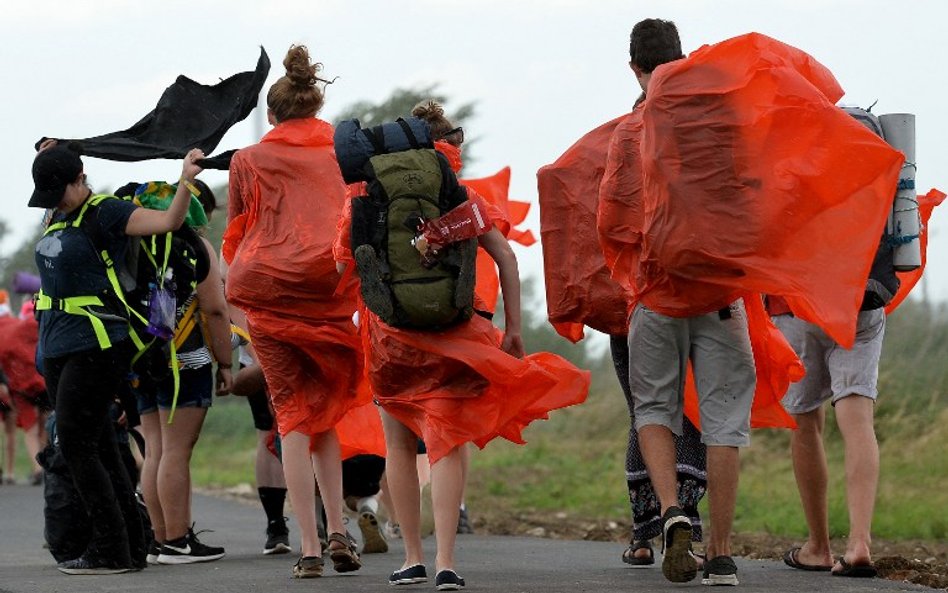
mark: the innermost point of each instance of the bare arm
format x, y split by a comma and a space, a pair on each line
499, 249
210, 294
144, 221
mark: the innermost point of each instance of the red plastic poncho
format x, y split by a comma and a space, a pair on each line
752, 180
583, 292
457, 386
286, 196
360, 432
495, 191
18, 338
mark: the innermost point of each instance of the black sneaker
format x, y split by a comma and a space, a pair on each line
373, 542
153, 551
278, 538
414, 574
464, 522
448, 580
188, 550
720, 570
679, 564
88, 565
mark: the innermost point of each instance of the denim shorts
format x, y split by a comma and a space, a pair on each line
196, 391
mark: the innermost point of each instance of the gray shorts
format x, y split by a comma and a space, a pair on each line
718, 346
832, 372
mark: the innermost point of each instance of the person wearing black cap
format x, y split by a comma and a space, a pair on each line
84, 340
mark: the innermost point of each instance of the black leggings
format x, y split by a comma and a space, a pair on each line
82, 387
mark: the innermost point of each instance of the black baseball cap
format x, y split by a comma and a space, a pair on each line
53, 170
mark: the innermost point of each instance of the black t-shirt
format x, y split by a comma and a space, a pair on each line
69, 266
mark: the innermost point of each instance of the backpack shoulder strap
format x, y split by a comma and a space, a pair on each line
412, 140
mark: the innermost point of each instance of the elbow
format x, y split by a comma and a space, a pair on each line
176, 221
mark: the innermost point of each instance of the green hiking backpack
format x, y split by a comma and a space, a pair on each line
400, 286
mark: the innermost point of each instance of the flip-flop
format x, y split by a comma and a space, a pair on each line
863, 571
790, 559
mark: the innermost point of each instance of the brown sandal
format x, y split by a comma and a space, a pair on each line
342, 552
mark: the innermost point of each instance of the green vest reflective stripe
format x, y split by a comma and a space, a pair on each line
77, 306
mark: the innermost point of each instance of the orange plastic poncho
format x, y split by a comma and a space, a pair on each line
495, 191
457, 386
752, 180
286, 196
583, 292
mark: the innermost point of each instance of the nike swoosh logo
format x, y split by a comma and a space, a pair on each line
185, 550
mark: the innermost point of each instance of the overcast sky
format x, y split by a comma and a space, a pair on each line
541, 72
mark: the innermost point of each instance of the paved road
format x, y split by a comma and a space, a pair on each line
508, 564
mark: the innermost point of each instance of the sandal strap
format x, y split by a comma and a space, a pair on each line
340, 538
643, 544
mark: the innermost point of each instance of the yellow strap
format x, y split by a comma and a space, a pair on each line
164, 264
240, 332
77, 306
176, 373
186, 325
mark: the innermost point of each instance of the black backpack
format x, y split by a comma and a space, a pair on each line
883, 283
178, 259
406, 187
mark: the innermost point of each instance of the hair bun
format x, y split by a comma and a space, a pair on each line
299, 69
428, 110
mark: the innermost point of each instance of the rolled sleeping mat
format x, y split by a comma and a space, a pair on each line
898, 129
355, 145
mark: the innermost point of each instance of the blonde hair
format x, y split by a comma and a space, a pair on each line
295, 94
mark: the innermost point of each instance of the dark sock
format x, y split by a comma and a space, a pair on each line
272, 500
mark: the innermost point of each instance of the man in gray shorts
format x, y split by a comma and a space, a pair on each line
660, 347
718, 346
847, 378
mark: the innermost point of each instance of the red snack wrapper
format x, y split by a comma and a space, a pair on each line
463, 222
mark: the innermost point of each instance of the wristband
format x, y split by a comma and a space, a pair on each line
191, 187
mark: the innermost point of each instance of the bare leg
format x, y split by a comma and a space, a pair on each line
174, 469
401, 474
327, 465
385, 497
301, 486
809, 468
465, 452
9, 425
447, 486
658, 451
267, 469
424, 470
151, 431
723, 471
854, 417
31, 437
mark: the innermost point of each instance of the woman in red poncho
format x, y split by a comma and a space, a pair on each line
467, 383
286, 195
